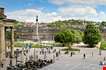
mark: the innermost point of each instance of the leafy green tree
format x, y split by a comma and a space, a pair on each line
78, 35
68, 37
70, 24
18, 24
92, 35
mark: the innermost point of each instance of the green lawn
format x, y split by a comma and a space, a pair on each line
103, 45
23, 44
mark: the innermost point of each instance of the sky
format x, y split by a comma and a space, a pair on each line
53, 10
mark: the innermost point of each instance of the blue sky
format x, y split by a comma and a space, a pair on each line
52, 10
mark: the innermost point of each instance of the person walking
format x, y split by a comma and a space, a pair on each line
71, 54
84, 56
104, 58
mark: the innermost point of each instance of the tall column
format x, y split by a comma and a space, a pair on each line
37, 29
0, 46
11, 46
2, 31
12, 40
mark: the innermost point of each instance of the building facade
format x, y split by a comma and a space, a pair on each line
28, 32
5, 24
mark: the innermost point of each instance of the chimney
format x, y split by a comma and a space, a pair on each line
2, 11
2, 15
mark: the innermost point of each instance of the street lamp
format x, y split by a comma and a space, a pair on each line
8, 37
37, 35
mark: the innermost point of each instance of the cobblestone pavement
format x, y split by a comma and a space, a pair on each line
76, 62
30, 53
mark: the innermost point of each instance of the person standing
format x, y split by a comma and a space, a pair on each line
45, 56
57, 54
71, 54
2, 64
53, 58
84, 56
104, 58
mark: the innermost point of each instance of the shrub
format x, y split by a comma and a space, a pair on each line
103, 45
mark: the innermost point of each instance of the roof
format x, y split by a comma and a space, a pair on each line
8, 20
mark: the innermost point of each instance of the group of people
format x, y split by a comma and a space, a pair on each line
45, 53
44, 56
37, 57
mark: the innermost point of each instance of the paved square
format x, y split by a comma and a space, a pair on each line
66, 62
76, 62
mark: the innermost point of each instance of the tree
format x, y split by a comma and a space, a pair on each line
65, 37
78, 35
68, 37
92, 35
18, 24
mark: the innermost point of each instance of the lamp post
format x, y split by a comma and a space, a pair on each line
37, 35
9, 38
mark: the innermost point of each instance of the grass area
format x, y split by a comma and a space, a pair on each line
39, 46
72, 49
26, 44
103, 45
22, 44
19, 44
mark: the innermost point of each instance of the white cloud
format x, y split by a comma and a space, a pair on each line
58, 2
82, 12
101, 16
78, 11
61, 2
30, 15
89, 1
87, 13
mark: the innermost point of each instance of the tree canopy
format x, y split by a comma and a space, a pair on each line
92, 35
68, 37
